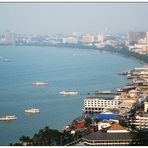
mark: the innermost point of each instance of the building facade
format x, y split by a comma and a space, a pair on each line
88, 39
141, 122
133, 37
9, 37
98, 104
114, 136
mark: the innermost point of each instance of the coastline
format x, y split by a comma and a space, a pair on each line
97, 50
79, 46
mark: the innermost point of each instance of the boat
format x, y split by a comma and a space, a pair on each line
40, 83
6, 60
68, 93
32, 110
8, 118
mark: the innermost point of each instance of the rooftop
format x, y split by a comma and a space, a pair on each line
109, 136
116, 126
102, 98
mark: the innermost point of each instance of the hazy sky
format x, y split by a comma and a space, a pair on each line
70, 17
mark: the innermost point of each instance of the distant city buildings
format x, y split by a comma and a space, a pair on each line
138, 42
147, 38
9, 37
70, 40
100, 37
133, 37
88, 39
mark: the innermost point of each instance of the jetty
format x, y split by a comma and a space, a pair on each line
105, 92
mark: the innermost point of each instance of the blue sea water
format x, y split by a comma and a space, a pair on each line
80, 70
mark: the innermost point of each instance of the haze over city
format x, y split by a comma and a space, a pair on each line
73, 74
68, 17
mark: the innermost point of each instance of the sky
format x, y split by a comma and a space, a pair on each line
46, 18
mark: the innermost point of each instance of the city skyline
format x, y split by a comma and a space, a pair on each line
43, 18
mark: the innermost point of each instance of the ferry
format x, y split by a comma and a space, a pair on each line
8, 118
32, 110
68, 93
40, 83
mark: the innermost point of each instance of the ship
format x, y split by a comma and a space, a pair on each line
8, 118
40, 83
68, 93
32, 110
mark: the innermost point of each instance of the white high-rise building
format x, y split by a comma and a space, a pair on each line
101, 37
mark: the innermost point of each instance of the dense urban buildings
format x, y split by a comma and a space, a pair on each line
106, 120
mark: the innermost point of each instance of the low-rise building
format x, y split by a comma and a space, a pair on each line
98, 104
116, 135
103, 125
141, 121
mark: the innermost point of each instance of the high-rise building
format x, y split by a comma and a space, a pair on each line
133, 37
9, 37
100, 37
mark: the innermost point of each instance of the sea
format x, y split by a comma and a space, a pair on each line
81, 70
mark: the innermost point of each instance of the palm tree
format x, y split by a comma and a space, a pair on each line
25, 140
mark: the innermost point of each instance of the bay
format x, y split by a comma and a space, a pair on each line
80, 70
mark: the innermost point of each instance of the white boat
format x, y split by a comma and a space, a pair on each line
32, 110
6, 60
8, 118
68, 93
40, 83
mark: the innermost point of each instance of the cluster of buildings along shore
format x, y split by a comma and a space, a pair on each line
108, 111
135, 41
129, 106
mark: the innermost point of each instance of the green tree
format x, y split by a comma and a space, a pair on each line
88, 121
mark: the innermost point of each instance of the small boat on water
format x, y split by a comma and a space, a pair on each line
68, 93
6, 60
32, 110
8, 118
40, 83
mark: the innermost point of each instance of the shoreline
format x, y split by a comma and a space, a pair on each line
132, 58
104, 49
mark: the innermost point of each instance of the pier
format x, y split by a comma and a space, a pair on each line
106, 92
